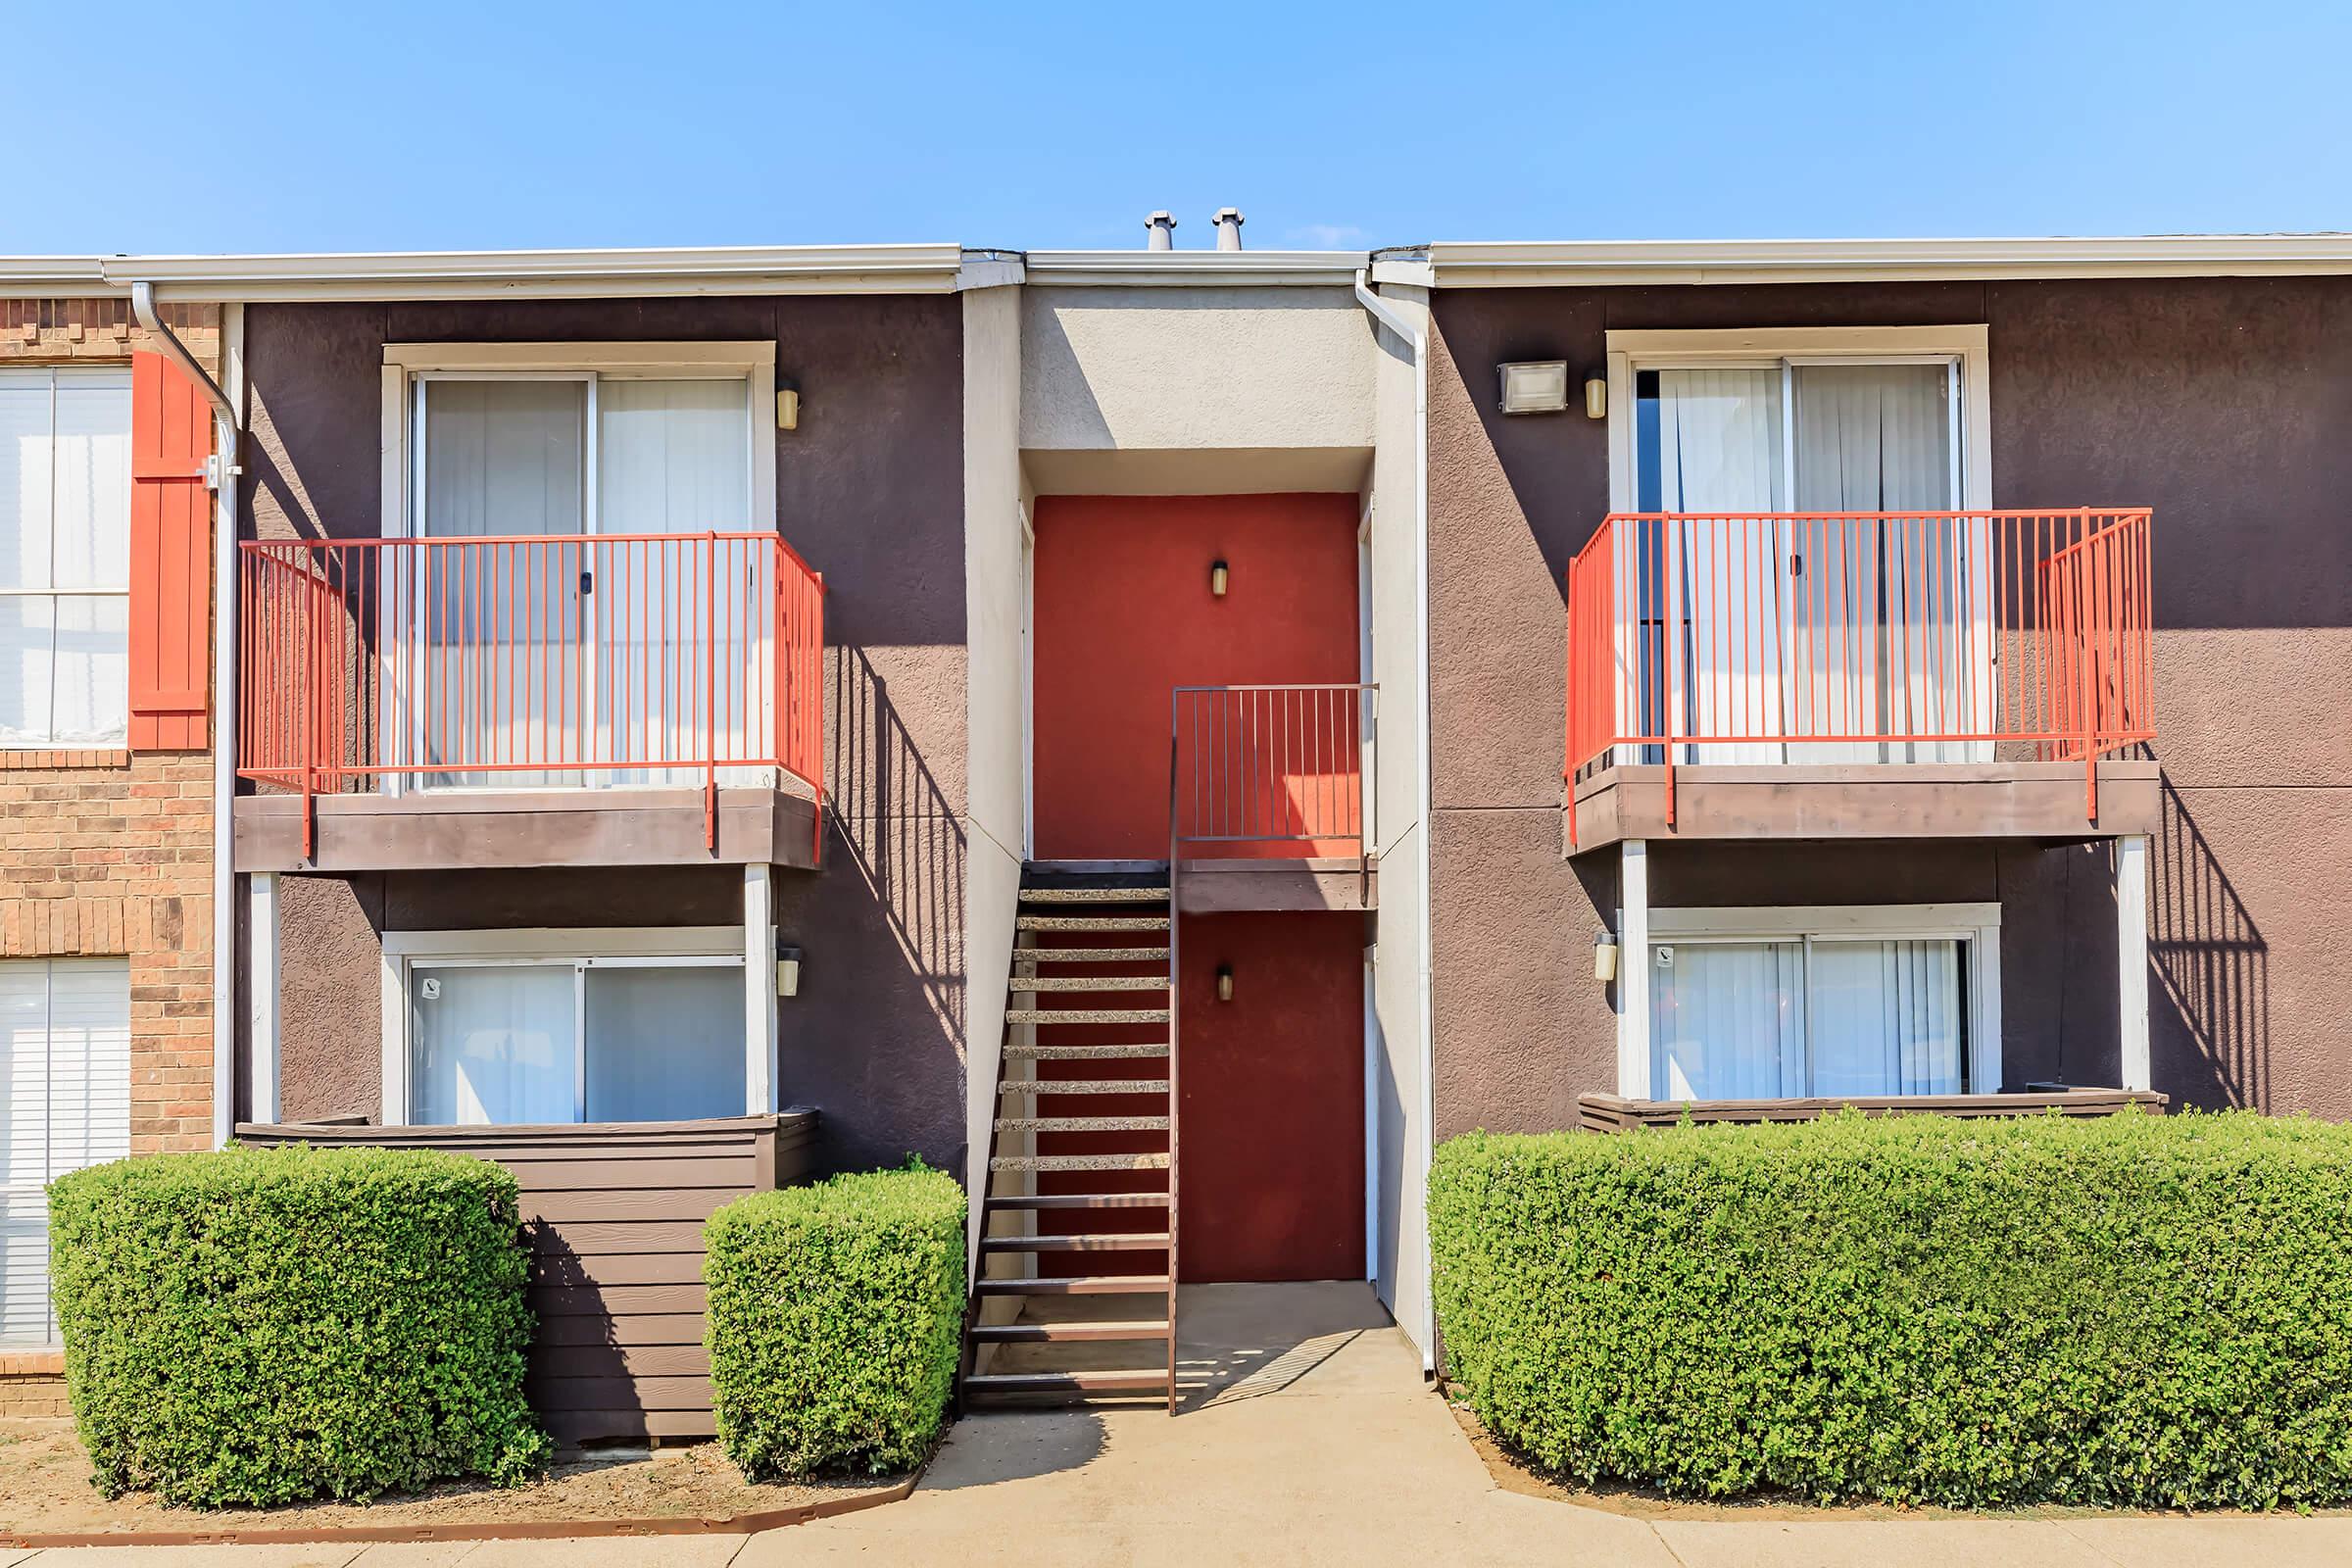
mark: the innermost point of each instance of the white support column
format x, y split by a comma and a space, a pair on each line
758, 989
1632, 969
262, 1038
2131, 957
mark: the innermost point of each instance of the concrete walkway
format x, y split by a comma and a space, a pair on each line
1310, 1437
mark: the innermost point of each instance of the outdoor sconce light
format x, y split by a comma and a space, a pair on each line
788, 408
1596, 398
1218, 573
1538, 386
787, 970
1604, 957
1224, 982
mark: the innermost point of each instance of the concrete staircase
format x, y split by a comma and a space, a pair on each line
1078, 1299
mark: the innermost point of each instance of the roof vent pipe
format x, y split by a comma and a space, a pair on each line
1229, 228
1162, 227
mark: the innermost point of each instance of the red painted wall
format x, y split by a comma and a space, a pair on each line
1122, 613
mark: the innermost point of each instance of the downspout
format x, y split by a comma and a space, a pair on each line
222, 476
1418, 337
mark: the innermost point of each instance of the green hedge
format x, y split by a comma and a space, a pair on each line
836, 1313
262, 1326
2136, 1310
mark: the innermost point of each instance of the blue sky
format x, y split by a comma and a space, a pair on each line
344, 125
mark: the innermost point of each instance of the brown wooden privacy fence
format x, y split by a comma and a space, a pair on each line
613, 1211
1614, 1113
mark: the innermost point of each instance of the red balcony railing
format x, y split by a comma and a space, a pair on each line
568, 660
1864, 636
1270, 770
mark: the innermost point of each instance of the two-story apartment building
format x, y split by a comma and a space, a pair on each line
1170, 734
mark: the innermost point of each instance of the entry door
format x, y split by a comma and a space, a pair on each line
504, 672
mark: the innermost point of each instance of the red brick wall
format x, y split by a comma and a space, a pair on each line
108, 853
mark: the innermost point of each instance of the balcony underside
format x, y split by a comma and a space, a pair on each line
448, 830
1998, 799
1232, 885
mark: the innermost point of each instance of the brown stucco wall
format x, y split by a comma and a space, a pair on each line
870, 488
2220, 403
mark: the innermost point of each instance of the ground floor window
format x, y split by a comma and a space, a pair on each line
1859, 1001
503, 1031
65, 1103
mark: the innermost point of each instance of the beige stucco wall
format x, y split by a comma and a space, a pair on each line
1142, 370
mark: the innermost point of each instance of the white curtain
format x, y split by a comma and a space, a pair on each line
1895, 601
665, 1044
1727, 1020
501, 677
673, 457
492, 1045
65, 1103
1720, 450
65, 548
1884, 1018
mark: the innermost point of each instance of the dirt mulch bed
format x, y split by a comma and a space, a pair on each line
45, 1491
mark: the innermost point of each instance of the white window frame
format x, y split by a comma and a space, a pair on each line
408, 366
1631, 352
53, 593
1978, 924
713, 947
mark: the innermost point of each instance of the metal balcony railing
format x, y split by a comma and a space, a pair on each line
1265, 770
550, 661
1859, 637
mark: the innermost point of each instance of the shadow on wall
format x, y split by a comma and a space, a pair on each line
2209, 1006
875, 1037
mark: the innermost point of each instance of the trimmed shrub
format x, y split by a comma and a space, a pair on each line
2128, 1311
262, 1326
835, 1323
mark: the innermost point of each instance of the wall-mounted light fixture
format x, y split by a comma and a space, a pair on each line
1218, 575
1534, 386
788, 408
1604, 956
1224, 982
1596, 398
787, 970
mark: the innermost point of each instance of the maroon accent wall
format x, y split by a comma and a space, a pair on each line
869, 489
2220, 402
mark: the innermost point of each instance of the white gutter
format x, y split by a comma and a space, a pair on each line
1599, 263
1418, 338
1197, 268
220, 473
496, 274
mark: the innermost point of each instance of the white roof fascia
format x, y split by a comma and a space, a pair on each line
498, 275
1142, 269
1494, 264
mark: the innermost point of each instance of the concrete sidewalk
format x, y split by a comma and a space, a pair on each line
1311, 1439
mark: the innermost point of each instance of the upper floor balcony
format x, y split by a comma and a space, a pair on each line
1868, 674
528, 700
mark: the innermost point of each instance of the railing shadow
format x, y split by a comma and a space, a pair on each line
2209, 1012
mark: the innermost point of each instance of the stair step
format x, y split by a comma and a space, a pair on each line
1157, 895
1085, 1015
1107, 1242
1080, 1163
1138, 1050
1091, 922
1082, 1124
1083, 1086
1041, 1333
1063, 1201
981, 1386
1090, 982
1089, 955
1066, 1382
1078, 1284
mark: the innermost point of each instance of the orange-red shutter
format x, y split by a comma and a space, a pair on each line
171, 557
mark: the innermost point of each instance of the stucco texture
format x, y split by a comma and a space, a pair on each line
2221, 404
870, 488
